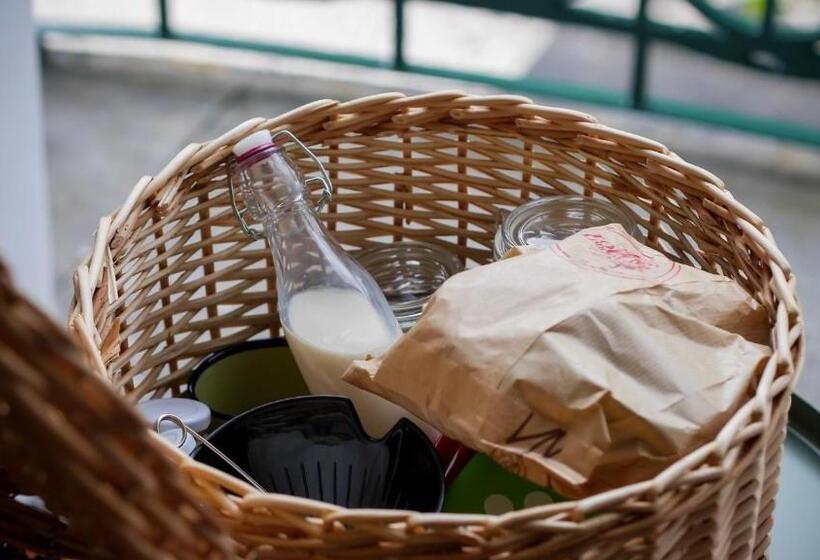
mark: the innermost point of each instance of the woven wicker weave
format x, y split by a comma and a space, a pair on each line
172, 278
67, 437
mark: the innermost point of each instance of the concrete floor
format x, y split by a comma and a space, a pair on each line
111, 120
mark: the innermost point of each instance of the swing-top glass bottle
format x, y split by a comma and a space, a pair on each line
331, 309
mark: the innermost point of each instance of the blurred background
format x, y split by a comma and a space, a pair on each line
731, 85
96, 93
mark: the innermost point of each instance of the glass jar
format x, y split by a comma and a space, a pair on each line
408, 272
545, 221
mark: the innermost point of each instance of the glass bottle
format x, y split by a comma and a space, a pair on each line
331, 309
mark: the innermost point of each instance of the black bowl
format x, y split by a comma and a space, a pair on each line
315, 447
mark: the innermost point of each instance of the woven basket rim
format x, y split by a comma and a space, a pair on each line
707, 463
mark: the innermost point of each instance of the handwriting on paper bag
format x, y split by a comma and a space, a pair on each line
545, 442
615, 253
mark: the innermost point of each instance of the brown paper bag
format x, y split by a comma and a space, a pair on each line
585, 366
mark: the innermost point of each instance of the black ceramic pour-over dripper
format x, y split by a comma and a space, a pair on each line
315, 447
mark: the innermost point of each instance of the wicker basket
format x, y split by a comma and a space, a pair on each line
66, 436
172, 278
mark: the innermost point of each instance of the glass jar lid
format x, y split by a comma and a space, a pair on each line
408, 272
544, 221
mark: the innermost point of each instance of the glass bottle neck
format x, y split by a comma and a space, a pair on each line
306, 257
271, 183
288, 218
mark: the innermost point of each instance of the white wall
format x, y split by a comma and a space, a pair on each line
25, 232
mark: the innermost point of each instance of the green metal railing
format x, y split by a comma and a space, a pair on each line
762, 45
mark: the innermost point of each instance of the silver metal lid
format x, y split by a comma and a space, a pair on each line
195, 414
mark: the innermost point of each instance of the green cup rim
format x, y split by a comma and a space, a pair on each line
215, 357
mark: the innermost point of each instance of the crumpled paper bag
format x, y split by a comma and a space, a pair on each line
589, 365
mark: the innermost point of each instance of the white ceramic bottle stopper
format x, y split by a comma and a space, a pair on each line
252, 141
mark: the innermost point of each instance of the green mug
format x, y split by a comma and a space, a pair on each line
483, 486
244, 376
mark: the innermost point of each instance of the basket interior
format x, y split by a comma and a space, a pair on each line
189, 282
